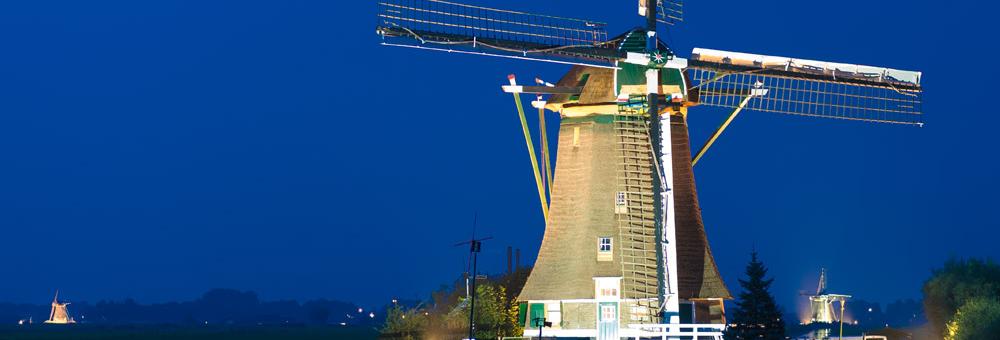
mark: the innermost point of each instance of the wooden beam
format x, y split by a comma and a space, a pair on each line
543, 89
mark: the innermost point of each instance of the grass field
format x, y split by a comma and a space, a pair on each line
165, 332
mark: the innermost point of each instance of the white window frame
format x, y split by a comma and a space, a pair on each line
608, 313
605, 255
639, 312
621, 202
600, 244
553, 313
609, 292
612, 284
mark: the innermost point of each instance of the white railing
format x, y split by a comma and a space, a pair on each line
663, 331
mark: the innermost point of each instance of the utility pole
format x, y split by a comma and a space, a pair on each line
475, 245
474, 249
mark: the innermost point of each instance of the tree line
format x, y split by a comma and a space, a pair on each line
217, 306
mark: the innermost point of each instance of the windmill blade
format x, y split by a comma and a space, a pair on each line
805, 87
455, 27
668, 12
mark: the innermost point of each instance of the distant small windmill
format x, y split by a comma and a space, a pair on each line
625, 252
821, 303
59, 313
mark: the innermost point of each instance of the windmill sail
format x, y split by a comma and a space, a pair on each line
805, 87
668, 12
455, 27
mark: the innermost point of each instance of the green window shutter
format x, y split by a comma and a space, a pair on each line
522, 313
537, 311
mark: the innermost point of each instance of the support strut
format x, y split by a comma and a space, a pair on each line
756, 92
531, 153
546, 165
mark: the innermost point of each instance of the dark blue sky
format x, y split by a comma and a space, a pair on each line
155, 150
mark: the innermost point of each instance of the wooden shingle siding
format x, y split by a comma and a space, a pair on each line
582, 210
697, 275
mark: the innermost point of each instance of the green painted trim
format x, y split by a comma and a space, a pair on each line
672, 76
522, 313
630, 74
599, 119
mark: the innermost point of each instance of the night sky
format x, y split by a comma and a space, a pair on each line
157, 149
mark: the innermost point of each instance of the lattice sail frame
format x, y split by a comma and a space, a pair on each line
668, 12
805, 87
468, 27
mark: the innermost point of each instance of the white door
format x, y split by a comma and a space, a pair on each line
607, 321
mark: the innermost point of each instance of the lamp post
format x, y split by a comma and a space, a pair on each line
842, 318
541, 323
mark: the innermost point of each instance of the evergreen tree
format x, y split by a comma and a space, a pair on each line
756, 315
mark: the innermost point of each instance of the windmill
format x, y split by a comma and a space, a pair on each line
624, 252
821, 304
59, 313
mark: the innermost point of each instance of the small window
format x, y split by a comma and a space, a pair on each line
621, 204
553, 314
605, 245
576, 136
608, 313
687, 312
639, 312
609, 292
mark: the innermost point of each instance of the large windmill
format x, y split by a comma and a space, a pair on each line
624, 252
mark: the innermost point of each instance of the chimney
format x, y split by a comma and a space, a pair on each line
509, 263
517, 258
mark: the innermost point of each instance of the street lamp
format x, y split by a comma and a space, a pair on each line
541, 323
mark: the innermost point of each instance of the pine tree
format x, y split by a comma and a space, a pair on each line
756, 315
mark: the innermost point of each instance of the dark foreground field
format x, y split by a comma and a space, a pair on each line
89, 332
